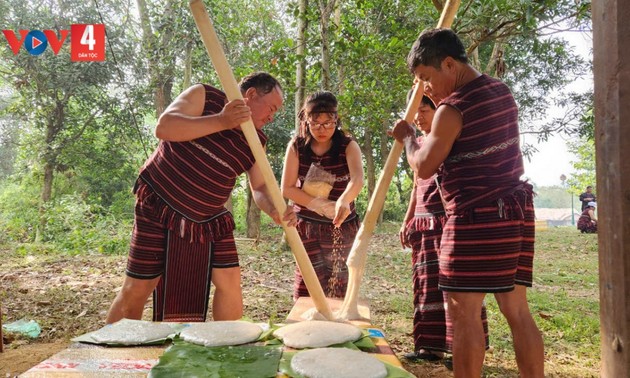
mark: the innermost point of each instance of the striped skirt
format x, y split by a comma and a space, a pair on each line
432, 326
328, 248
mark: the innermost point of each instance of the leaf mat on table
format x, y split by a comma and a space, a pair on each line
183, 359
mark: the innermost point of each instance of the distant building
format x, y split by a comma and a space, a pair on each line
557, 217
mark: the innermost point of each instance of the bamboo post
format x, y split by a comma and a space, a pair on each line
358, 254
230, 86
1, 339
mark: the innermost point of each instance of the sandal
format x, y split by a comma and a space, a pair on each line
423, 355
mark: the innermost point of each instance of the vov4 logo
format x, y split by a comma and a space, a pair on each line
87, 41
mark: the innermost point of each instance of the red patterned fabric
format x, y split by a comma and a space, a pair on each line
337, 165
429, 212
326, 247
182, 229
491, 249
485, 162
488, 240
432, 326
194, 179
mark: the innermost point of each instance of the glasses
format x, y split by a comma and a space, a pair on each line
325, 125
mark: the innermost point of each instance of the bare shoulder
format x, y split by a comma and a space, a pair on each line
353, 147
447, 122
191, 101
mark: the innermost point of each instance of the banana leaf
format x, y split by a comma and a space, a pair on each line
189, 360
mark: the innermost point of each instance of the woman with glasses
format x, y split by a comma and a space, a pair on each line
323, 175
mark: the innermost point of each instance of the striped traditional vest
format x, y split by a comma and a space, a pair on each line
194, 179
485, 162
337, 165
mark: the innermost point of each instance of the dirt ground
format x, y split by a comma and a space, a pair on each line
69, 296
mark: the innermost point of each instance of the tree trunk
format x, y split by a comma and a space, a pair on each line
166, 70
253, 217
161, 80
326, 9
340, 68
49, 171
496, 65
384, 153
473, 58
188, 68
301, 63
369, 162
53, 127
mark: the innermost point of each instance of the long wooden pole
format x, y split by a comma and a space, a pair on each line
230, 86
1, 342
358, 254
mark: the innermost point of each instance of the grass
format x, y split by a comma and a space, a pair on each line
69, 295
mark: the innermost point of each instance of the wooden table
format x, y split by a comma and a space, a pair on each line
83, 360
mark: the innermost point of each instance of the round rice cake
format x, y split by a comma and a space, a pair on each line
317, 334
220, 333
132, 332
337, 362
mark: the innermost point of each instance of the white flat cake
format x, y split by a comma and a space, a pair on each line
337, 362
132, 332
317, 334
220, 333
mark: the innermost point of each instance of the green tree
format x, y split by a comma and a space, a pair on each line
60, 102
584, 150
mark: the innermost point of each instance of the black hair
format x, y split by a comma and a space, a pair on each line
318, 103
425, 99
433, 46
261, 81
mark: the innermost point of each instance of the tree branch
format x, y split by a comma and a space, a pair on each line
488, 34
461, 16
438, 5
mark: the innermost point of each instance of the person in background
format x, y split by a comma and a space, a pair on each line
183, 238
422, 231
587, 197
587, 223
487, 241
322, 176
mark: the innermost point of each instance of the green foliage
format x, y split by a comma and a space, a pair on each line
92, 122
71, 224
584, 150
555, 197
18, 211
77, 227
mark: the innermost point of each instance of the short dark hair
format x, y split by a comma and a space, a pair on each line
433, 46
261, 81
589, 187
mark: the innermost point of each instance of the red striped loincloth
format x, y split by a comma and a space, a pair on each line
489, 249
